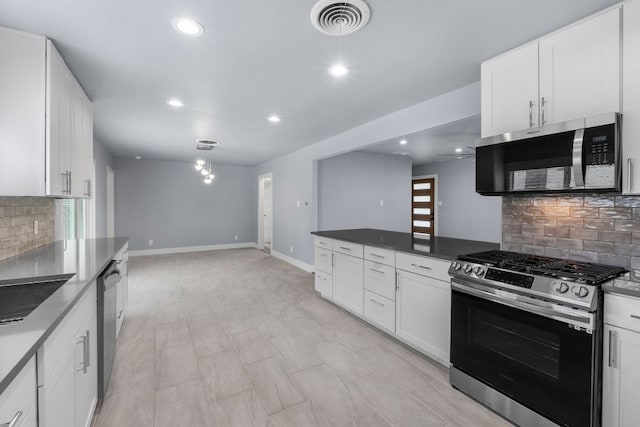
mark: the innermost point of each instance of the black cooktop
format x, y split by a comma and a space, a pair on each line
18, 300
577, 271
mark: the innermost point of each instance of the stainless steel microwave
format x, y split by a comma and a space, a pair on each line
581, 155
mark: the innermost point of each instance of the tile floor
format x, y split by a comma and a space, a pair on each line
239, 338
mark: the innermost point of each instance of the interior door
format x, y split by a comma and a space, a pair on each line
268, 210
423, 206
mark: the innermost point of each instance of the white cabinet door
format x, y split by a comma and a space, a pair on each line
56, 399
509, 85
348, 282
621, 376
86, 372
423, 314
22, 112
82, 144
18, 400
580, 70
631, 98
59, 124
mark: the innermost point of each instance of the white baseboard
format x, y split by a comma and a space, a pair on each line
184, 249
302, 265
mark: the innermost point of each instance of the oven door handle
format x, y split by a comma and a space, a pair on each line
586, 322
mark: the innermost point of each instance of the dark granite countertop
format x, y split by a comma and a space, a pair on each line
446, 248
83, 259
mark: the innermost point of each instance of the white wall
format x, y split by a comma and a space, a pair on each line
351, 186
295, 174
464, 214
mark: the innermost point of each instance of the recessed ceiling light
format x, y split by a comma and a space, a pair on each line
138, 157
175, 102
458, 150
403, 142
338, 70
274, 119
188, 26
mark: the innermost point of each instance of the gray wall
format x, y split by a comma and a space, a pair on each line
350, 187
169, 203
295, 174
103, 159
464, 213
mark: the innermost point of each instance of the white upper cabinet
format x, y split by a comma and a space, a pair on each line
631, 97
46, 123
510, 91
580, 70
572, 73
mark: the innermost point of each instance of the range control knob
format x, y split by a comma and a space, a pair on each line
580, 291
561, 287
468, 269
479, 271
456, 266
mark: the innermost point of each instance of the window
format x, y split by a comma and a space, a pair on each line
78, 216
422, 207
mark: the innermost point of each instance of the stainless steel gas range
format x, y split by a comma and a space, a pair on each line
526, 336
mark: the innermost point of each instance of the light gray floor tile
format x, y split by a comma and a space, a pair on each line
295, 352
240, 410
175, 365
209, 340
275, 389
182, 405
344, 362
298, 415
256, 350
222, 375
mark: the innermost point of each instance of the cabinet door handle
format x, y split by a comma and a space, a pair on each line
69, 181
346, 249
530, 113
635, 316
88, 192
397, 281
629, 175
87, 352
376, 302
14, 420
376, 255
421, 266
613, 349
83, 341
333, 259
64, 182
542, 105
377, 271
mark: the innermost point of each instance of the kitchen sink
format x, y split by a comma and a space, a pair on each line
19, 299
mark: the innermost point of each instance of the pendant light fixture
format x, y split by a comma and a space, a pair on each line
206, 170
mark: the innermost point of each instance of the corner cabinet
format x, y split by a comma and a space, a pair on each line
631, 98
621, 373
571, 73
46, 121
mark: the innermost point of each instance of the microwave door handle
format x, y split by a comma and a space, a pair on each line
578, 144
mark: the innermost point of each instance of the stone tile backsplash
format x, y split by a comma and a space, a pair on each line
17, 215
593, 228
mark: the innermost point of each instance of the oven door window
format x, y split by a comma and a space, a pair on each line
542, 363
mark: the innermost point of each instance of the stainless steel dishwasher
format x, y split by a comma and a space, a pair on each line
107, 296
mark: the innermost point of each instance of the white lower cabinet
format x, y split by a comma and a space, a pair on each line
122, 290
380, 279
348, 282
68, 368
621, 373
324, 284
423, 314
18, 401
380, 311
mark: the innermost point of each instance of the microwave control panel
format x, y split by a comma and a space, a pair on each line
599, 146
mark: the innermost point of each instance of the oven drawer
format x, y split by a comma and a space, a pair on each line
380, 310
348, 248
424, 266
324, 284
380, 279
323, 242
383, 256
622, 311
324, 260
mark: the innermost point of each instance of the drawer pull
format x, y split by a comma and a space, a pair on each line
613, 349
376, 255
14, 420
421, 266
634, 316
346, 249
376, 302
324, 255
322, 278
377, 271
323, 243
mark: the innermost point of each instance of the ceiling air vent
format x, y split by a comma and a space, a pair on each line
206, 144
339, 18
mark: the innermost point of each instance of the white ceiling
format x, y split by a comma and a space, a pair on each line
261, 57
432, 145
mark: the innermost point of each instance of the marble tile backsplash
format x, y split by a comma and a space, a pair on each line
17, 215
593, 228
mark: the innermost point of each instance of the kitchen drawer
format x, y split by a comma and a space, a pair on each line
380, 279
54, 348
380, 310
348, 248
424, 266
323, 242
324, 284
383, 256
324, 260
20, 397
622, 311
